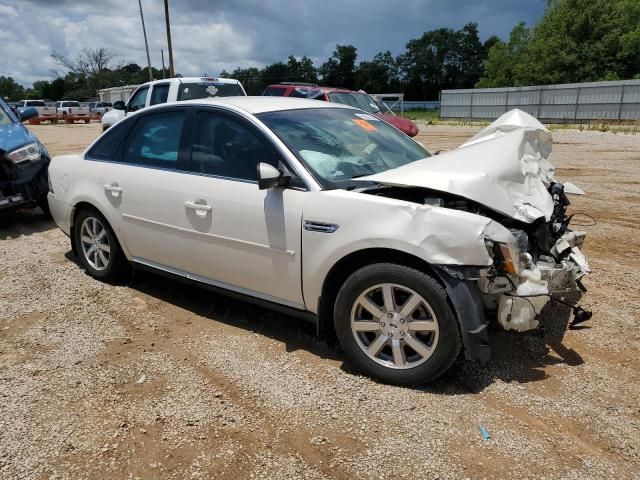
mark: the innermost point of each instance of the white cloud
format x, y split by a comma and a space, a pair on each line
211, 36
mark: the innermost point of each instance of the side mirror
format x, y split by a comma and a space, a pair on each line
119, 105
26, 113
268, 176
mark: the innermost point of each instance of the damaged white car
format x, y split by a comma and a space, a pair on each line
328, 213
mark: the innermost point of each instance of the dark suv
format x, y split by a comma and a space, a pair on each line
23, 162
360, 100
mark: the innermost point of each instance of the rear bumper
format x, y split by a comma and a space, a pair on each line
61, 213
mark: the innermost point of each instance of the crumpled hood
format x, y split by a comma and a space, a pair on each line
503, 167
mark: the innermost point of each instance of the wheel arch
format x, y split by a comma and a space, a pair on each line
84, 204
463, 296
351, 262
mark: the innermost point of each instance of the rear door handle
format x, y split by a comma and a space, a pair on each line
201, 208
114, 188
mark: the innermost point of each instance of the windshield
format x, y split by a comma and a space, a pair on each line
340, 144
6, 117
191, 91
35, 103
354, 99
70, 104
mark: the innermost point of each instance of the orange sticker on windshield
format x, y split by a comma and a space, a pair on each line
364, 124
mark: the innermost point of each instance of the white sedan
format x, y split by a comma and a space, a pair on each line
328, 213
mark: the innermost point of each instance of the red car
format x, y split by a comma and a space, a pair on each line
360, 100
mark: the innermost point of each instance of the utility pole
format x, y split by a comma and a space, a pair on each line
166, 17
146, 44
164, 72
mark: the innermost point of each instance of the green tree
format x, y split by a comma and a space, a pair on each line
10, 89
340, 69
380, 75
505, 61
302, 70
442, 58
249, 77
575, 41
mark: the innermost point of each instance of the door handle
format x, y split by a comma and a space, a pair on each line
201, 208
114, 188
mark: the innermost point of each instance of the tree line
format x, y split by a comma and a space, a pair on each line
574, 41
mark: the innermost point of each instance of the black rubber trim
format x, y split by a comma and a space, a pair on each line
275, 307
467, 303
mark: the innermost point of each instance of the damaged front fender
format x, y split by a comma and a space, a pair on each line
439, 236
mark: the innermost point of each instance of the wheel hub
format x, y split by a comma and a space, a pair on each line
393, 325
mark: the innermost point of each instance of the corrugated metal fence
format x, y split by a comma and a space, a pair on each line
572, 102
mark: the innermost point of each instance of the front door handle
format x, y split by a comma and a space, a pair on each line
114, 188
201, 208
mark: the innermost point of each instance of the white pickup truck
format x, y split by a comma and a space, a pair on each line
71, 110
44, 112
172, 90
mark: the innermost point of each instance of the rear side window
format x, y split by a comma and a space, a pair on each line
155, 140
191, 91
105, 147
159, 94
274, 92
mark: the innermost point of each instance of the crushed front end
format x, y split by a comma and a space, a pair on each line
543, 260
23, 177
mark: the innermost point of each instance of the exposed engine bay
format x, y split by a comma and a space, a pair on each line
502, 174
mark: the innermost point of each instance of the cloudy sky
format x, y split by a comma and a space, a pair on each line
211, 35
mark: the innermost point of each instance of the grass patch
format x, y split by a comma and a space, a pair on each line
429, 116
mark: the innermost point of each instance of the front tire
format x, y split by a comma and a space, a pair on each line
395, 324
98, 249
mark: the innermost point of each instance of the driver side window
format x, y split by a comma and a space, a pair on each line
226, 147
138, 100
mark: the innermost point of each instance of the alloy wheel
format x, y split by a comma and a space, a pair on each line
394, 326
95, 243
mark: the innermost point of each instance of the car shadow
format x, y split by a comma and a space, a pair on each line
294, 333
17, 223
516, 357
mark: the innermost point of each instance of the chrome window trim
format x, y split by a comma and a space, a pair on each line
291, 160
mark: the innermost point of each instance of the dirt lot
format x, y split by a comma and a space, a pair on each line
159, 380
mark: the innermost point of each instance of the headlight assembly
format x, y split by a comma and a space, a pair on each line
25, 153
512, 257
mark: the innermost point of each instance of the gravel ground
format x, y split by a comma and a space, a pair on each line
155, 379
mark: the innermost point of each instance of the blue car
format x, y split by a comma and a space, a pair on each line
23, 162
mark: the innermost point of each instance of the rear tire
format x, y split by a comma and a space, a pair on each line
395, 324
98, 249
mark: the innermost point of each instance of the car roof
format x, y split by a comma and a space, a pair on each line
194, 80
258, 104
310, 87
